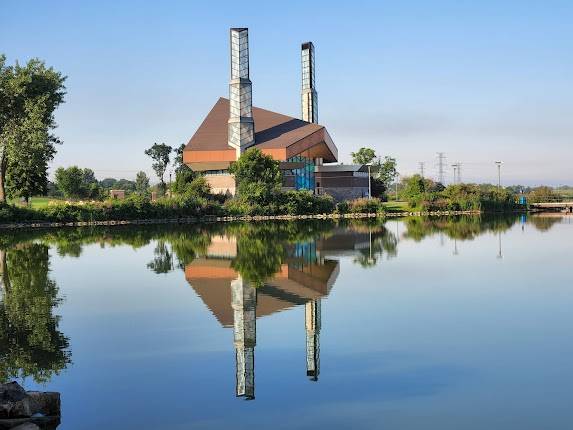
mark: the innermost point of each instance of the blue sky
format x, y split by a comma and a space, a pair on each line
480, 81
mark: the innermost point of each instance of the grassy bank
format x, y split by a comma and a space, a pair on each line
195, 204
141, 208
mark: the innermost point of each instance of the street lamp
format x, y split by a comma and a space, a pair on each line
369, 182
498, 163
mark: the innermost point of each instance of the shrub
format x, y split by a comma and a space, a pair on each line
304, 202
365, 205
342, 207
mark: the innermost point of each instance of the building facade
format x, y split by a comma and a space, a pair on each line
302, 146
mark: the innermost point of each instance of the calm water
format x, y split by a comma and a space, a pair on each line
413, 324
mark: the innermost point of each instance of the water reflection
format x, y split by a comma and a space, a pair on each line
246, 274
241, 272
31, 344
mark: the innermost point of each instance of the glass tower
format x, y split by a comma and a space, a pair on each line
309, 101
241, 125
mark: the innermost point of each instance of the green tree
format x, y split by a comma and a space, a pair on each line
198, 187
26, 174
363, 156
383, 170
178, 161
184, 175
31, 344
141, 183
257, 176
387, 172
413, 189
542, 194
29, 95
75, 183
108, 183
160, 154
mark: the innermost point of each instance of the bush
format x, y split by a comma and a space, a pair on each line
342, 207
283, 203
304, 202
365, 205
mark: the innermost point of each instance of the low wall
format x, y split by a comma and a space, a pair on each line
212, 218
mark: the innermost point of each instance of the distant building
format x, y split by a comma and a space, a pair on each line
301, 145
117, 194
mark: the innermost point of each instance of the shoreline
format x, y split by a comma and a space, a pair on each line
213, 218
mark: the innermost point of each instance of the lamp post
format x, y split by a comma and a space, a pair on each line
498, 163
369, 182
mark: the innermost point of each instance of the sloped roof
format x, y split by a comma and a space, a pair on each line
211, 279
278, 135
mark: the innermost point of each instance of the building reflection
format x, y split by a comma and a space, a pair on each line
308, 270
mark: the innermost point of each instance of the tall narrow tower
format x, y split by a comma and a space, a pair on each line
312, 325
309, 96
244, 303
241, 125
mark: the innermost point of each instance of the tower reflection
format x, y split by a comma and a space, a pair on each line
304, 275
244, 303
312, 325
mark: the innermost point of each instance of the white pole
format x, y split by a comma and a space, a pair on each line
369, 184
498, 174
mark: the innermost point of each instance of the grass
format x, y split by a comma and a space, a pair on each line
393, 206
38, 202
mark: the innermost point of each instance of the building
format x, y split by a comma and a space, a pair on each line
301, 145
117, 194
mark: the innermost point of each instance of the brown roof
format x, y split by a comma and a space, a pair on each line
278, 135
211, 279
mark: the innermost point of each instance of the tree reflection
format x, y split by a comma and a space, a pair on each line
543, 223
259, 253
459, 228
163, 261
31, 344
381, 242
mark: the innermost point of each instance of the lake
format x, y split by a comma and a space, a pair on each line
443, 323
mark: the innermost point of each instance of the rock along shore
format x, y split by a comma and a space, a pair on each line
28, 410
212, 218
